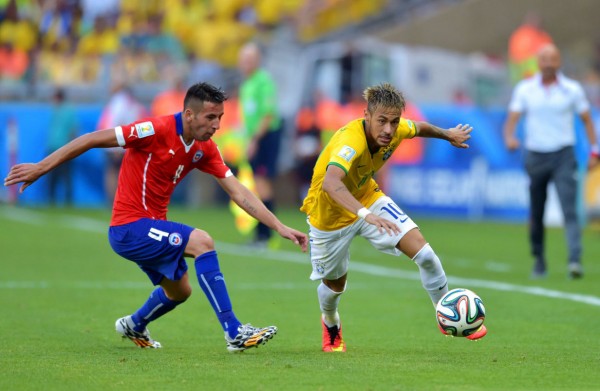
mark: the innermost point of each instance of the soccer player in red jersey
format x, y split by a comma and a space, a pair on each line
159, 153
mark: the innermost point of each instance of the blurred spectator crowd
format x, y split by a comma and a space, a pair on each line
79, 41
88, 42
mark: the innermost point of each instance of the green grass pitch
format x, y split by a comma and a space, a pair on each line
62, 288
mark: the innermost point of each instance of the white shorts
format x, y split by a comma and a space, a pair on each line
329, 250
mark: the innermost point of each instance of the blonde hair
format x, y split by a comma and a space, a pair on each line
383, 95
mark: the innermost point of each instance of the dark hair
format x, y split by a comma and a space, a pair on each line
204, 92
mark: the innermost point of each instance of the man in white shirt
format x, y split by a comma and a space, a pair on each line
549, 101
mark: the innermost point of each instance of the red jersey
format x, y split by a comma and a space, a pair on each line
155, 161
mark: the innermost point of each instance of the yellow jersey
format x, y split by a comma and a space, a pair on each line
348, 150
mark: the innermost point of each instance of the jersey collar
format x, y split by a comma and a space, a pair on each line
364, 126
560, 78
179, 130
179, 124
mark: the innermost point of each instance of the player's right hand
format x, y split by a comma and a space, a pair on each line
25, 173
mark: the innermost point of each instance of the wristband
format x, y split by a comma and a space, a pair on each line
595, 150
363, 212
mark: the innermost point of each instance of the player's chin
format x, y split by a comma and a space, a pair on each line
384, 142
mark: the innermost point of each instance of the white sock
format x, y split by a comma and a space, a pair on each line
432, 273
328, 301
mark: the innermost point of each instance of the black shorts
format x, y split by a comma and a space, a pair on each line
264, 162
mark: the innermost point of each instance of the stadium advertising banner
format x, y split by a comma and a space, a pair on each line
24, 137
425, 176
475, 192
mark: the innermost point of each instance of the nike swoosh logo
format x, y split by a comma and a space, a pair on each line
403, 220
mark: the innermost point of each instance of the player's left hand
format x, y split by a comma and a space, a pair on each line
382, 224
295, 236
458, 135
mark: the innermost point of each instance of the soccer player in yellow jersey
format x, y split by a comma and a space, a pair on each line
344, 201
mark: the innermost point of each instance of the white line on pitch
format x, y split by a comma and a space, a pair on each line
92, 225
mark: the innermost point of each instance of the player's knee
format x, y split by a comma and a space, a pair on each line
426, 258
336, 286
199, 243
185, 293
180, 293
411, 243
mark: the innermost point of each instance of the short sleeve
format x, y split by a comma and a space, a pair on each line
136, 135
407, 128
581, 102
213, 162
345, 151
517, 101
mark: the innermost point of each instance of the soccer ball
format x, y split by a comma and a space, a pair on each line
460, 313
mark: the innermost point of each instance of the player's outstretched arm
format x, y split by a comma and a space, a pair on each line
27, 173
456, 136
246, 200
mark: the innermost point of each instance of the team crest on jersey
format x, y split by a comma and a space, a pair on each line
144, 129
175, 239
197, 156
347, 153
388, 151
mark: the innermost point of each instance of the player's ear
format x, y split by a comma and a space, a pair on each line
188, 114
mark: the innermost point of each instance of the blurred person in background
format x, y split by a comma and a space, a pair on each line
549, 102
13, 62
102, 40
169, 101
122, 108
18, 37
94, 9
523, 46
262, 125
59, 22
307, 147
344, 201
160, 152
62, 129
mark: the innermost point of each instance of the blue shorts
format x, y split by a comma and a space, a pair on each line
156, 246
264, 163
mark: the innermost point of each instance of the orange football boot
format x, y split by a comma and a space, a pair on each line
480, 333
332, 338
